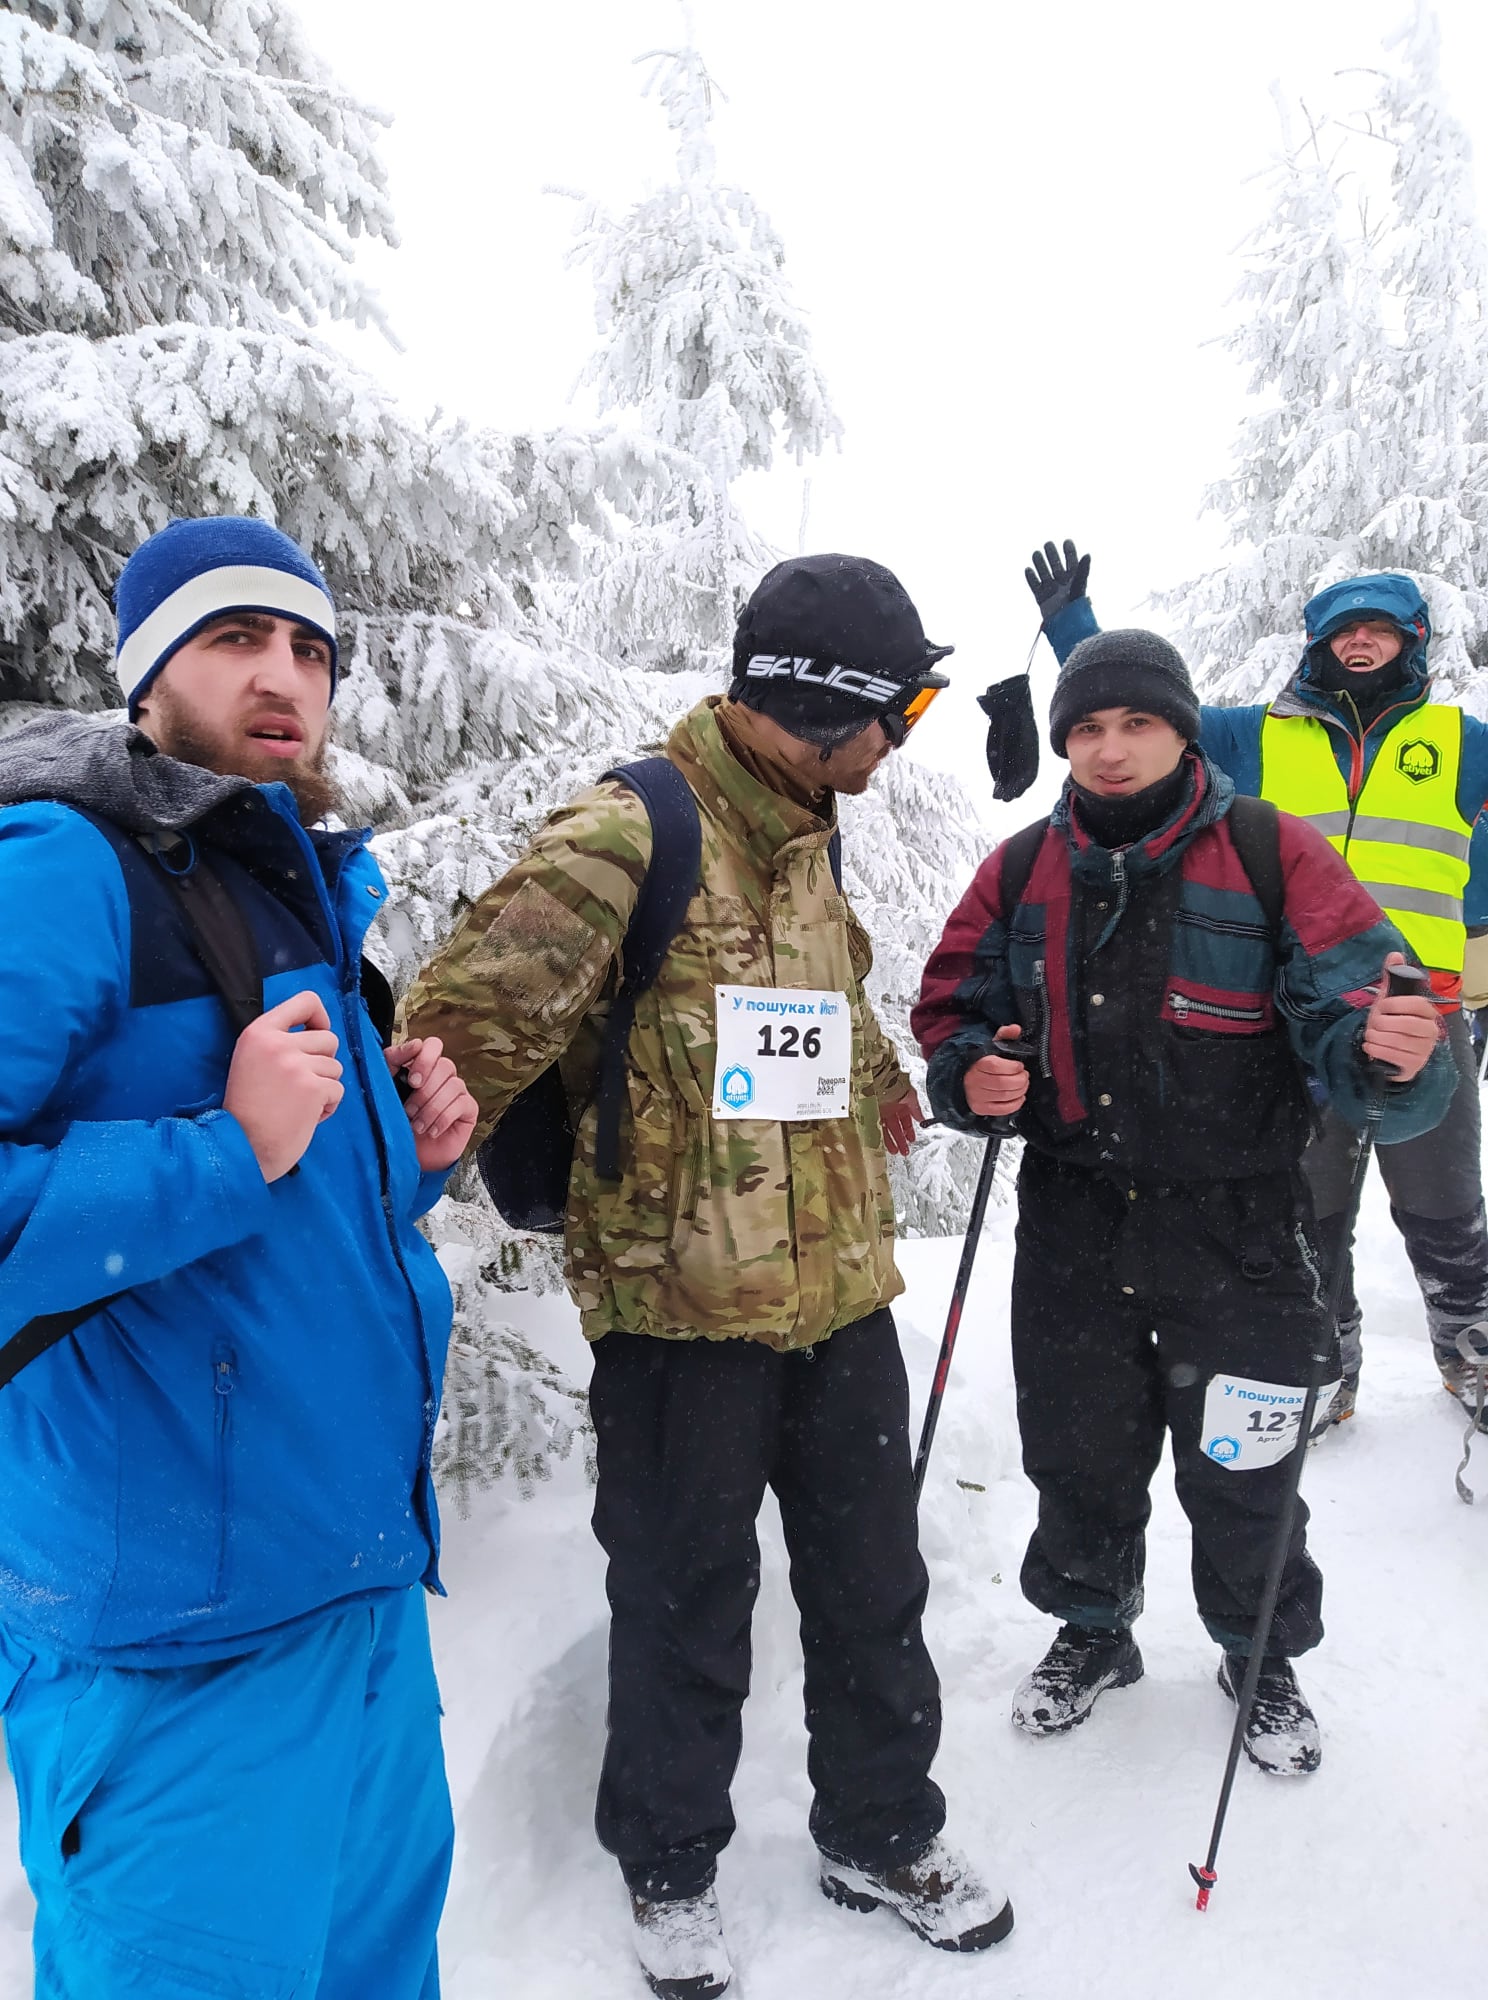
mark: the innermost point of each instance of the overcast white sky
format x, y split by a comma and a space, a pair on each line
1013, 228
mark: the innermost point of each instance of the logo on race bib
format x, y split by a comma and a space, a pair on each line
1418, 761
1225, 1450
737, 1088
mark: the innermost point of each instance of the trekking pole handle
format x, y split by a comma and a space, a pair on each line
1018, 1052
1404, 982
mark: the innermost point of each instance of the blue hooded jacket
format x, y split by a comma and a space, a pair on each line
1231, 737
242, 1438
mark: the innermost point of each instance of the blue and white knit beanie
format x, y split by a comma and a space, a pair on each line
193, 572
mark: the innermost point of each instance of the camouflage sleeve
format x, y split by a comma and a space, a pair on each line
884, 1067
510, 987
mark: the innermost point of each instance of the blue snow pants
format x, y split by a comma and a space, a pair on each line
269, 1826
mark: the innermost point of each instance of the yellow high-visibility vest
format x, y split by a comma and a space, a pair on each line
1402, 833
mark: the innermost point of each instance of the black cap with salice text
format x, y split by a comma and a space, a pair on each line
827, 643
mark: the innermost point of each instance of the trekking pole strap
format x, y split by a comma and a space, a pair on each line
1472, 1345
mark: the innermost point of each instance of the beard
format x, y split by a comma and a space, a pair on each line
190, 741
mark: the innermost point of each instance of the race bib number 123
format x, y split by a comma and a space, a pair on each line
783, 1053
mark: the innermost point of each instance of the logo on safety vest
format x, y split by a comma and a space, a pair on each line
1418, 761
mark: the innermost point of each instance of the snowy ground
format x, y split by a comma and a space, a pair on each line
1364, 1881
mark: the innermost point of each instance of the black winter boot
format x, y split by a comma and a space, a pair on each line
1281, 1731
1079, 1666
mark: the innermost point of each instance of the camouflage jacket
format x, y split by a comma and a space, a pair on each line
776, 1232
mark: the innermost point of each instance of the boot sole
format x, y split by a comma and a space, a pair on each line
979, 1938
700, 1988
1124, 1677
1271, 1770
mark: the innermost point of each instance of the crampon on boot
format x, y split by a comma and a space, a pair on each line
937, 1895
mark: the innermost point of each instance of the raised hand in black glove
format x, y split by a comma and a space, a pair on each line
1056, 584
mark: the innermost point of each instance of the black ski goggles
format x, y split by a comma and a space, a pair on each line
906, 710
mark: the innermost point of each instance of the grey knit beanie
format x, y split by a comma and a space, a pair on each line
1123, 670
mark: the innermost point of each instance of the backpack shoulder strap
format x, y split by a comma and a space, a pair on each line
1255, 828
223, 941
671, 880
834, 855
1018, 856
220, 934
673, 871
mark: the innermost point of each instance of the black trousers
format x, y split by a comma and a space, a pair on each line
1123, 1312
690, 1433
1436, 1201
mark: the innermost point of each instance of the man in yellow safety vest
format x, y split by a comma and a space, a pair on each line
1395, 781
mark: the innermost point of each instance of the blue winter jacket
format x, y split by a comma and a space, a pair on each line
242, 1437
1231, 737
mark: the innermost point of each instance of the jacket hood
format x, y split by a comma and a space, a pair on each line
112, 769
1389, 595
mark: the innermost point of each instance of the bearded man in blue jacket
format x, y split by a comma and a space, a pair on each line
1394, 781
217, 1523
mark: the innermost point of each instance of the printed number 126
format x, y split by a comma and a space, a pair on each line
792, 1042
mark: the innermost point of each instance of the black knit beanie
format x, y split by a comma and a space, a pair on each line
1123, 670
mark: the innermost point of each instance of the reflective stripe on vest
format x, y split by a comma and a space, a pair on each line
1403, 836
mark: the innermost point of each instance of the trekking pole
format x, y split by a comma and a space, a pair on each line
1401, 979
1002, 1129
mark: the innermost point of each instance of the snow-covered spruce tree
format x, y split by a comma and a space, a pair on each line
701, 340
181, 184
1367, 351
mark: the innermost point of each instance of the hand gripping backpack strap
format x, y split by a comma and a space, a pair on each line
670, 882
223, 941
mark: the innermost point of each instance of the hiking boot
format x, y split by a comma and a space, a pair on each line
1281, 1732
936, 1894
680, 1946
1339, 1410
1464, 1372
1079, 1666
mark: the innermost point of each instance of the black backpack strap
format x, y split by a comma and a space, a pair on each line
834, 855
220, 933
224, 943
1019, 853
380, 1004
671, 882
1255, 828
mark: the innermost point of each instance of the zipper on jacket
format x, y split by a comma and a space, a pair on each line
347, 981
1041, 1011
224, 1383
1183, 1006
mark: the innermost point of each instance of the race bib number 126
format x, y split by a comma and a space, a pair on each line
783, 1053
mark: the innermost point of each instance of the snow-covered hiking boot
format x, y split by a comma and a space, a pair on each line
1340, 1409
1281, 1731
937, 1895
1079, 1666
681, 1948
1465, 1373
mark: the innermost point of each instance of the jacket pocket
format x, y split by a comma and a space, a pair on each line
224, 1391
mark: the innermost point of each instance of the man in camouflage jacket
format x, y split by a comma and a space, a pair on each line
736, 1278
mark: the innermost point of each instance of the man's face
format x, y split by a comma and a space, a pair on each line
249, 697
1115, 751
1367, 644
854, 762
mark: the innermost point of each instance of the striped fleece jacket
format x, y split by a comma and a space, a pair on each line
1174, 1032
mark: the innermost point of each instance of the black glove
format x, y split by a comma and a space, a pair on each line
1056, 584
1012, 736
